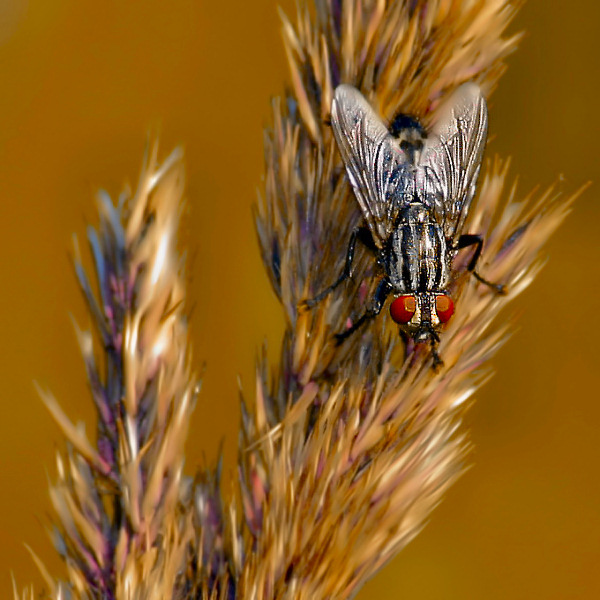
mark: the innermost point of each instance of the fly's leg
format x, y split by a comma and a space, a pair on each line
435, 340
363, 235
473, 239
381, 293
346, 272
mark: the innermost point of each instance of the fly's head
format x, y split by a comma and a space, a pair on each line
422, 314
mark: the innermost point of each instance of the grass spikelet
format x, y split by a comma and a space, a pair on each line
353, 481
122, 529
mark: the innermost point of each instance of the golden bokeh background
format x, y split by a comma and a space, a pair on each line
82, 84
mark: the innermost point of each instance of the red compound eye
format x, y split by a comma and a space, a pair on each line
444, 307
403, 308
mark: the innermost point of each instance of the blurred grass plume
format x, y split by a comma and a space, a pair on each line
346, 449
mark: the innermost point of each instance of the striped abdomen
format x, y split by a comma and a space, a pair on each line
417, 254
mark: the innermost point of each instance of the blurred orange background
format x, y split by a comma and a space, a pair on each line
82, 83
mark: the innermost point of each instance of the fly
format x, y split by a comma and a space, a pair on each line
414, 189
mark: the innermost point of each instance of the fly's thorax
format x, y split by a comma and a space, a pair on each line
417, 258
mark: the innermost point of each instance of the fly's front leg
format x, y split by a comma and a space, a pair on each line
381, 293
360, 233
473, 239
410, 347
434, 340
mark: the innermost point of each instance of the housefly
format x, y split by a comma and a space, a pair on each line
414, 189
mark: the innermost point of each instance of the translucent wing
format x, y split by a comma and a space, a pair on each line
380, 172
451, 157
